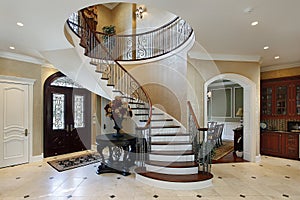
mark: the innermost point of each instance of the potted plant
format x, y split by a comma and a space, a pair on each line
109, 31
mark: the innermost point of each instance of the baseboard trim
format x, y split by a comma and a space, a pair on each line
38, 158
258, 158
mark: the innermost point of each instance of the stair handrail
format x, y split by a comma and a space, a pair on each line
201, 146
145, 45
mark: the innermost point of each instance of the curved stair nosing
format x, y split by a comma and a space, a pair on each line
195, 185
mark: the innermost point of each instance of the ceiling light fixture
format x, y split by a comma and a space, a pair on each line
20, 24
139, 12
11, 47
276, 57
266, 47
254, 23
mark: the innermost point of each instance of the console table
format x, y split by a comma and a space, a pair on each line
121, 153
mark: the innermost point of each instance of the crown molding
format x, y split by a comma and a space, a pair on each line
223, 57
19, 57
278, 67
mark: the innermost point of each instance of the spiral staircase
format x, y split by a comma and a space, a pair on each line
173, 157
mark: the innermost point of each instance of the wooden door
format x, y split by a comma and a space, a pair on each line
14, 124
67, 125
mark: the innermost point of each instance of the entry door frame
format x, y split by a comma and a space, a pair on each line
29, 82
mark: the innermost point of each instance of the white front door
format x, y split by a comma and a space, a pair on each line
14, 124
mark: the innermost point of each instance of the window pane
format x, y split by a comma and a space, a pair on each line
58, 101
78, 111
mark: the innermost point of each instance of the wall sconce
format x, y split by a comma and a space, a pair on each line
139, 12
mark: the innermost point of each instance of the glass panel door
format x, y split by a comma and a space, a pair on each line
281, 100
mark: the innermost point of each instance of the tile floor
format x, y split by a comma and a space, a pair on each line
272, 178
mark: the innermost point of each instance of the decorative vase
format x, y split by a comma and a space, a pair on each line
118, 127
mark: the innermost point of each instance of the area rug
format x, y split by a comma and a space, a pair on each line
74, 161
223, 150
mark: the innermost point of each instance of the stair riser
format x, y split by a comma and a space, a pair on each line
167, 158
167, 170
164, 130
171, 147
160, 123
170, 139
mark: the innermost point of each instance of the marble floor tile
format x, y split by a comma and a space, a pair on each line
270, 179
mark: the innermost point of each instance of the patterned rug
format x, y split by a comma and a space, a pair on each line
223, 150
74, 161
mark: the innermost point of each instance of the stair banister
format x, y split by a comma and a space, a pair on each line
201, 146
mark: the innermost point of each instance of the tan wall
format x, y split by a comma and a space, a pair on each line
33, 71
104, 17
200, 71
124, 12
295, 71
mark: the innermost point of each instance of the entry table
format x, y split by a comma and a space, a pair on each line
121, 153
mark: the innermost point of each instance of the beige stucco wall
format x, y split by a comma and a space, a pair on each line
200, 71
295, 71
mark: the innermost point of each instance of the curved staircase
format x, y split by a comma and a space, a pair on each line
172, 156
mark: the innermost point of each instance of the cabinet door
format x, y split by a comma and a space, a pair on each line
291, 142
266, 101
281, 100
271, 143
297, 100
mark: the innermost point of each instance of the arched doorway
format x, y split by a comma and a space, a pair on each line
250, 113
67, 115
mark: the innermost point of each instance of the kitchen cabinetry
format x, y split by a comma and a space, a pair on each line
281, 144
280, 98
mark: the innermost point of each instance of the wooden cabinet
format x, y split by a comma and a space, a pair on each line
238, 139
280, 98
281, 144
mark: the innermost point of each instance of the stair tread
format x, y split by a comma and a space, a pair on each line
169, 134
168, 126
156, 120
138, 103
170, 143
173, 153
140, 109
173, 164
203, 176
141, 114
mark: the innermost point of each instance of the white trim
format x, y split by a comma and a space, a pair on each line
223, 57
38, 158
258, 158
14, 79
278, 67
19, 57
251, 112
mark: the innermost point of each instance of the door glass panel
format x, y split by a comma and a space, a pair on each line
58, 101
65, 82
78, 111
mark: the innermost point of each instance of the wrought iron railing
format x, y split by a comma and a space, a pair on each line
117, 77
139, 46
202, 147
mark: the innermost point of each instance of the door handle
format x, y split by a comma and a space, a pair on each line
26, 132
71, 127
67, 128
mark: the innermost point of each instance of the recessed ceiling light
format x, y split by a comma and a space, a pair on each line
276, 57
266, 47
11, 47
254, 23
20, 24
